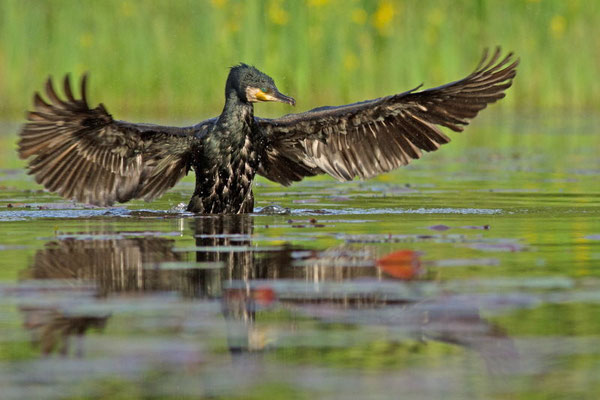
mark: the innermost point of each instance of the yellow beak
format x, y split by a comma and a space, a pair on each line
276, 96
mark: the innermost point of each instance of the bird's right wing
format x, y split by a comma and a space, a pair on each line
84, 154
375, 136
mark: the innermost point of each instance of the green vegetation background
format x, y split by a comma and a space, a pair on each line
168, 60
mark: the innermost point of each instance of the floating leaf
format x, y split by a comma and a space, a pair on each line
263, 296
402, 264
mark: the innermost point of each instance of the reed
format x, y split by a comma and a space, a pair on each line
169, 59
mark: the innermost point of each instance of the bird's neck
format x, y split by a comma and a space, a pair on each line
237, 114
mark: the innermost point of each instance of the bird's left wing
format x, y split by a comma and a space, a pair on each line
367, 138
84, 154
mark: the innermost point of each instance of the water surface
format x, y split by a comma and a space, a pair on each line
473, 273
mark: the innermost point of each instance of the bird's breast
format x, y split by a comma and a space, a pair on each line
225, 174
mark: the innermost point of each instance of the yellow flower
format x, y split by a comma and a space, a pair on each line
277, 14
558, 25
317, 3
383, 16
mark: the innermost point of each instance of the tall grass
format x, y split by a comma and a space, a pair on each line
169, 59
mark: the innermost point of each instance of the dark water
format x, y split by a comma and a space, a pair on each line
473, 273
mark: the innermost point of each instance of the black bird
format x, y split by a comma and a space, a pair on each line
82, 153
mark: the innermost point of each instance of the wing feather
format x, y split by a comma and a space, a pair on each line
374, 136
86, 155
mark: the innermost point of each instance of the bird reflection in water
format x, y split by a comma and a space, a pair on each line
54, 330
252, 279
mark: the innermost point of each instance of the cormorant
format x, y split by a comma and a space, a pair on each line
82, 153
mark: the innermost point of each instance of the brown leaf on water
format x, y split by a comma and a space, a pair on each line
264, 296
402, 264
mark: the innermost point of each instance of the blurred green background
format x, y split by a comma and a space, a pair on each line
168, 60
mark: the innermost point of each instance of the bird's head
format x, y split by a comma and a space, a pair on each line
252, 86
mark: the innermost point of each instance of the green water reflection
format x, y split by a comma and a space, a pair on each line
474, 273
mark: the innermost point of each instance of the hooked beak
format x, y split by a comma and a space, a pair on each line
275, 96
284, 99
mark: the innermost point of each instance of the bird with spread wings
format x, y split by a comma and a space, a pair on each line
82, 153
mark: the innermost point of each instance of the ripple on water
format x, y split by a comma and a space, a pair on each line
371, 211
29, 214
22, 215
